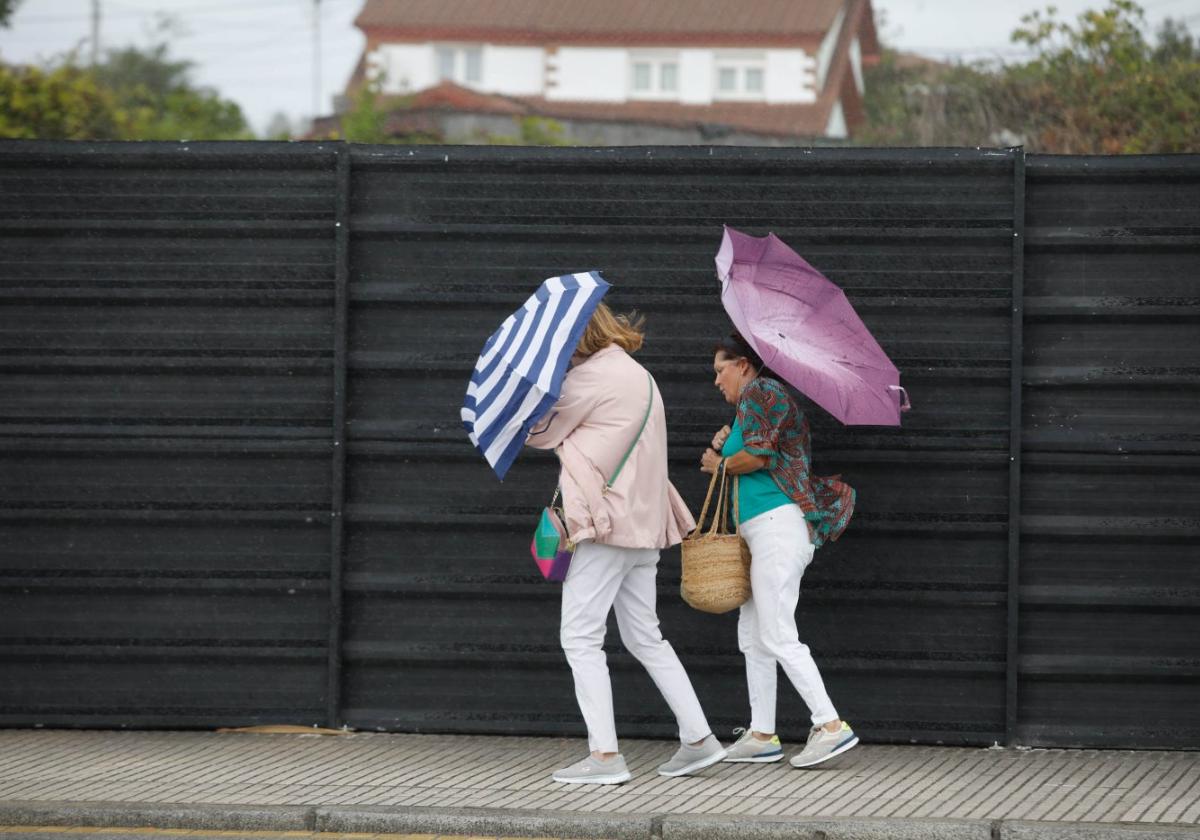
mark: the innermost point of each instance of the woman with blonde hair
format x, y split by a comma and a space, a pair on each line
609, 430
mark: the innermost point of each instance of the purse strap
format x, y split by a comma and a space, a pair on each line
649, 405
608, 484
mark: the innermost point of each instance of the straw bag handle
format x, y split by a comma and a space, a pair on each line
704, 510
721, 510
722, 515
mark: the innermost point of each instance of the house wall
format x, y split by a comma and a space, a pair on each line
836, 127
856, 64
405, 68
592, 74
791, 77
514, 71
828, 47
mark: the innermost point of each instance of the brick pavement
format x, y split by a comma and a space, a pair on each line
499, 773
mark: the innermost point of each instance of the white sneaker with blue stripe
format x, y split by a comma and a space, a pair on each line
823, 745
750, 750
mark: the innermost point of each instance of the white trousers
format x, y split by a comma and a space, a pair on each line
604, 577
780, 551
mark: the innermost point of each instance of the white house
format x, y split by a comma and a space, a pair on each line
774, 69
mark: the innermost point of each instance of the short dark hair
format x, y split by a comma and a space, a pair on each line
736, 347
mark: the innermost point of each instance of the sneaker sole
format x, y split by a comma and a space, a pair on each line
841, 749
618, 779
708, 761
757, 759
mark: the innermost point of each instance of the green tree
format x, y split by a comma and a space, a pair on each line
160, 101
532, 131
366, 121
1099, 86
915, 102
133, 95
368, 118
7, 7
1094, 86
64, 103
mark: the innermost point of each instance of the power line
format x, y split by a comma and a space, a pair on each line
127, 12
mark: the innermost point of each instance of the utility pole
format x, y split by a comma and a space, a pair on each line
316, 93
95, 32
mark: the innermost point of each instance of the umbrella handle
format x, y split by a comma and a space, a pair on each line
905, 405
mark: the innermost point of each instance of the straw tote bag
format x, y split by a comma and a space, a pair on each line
716, 564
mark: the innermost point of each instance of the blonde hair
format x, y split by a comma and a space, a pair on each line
626, 331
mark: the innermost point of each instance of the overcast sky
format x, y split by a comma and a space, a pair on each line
260, 53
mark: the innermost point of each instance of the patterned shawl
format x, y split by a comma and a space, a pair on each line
774, 427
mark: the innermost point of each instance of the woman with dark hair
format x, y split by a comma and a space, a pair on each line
785, 514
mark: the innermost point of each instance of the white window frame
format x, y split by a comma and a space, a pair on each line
656, 61
740, 64
459, 63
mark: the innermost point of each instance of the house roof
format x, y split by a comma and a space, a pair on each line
751, 117
661, 22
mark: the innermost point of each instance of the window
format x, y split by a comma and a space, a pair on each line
654, 77
445, 62
463, 65
474, 65
668, 78
741, 77
641, 76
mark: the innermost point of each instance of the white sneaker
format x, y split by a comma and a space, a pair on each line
750, 750
595, 771
689, 759
823, 745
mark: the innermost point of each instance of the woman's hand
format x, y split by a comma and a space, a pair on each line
709, 461
720, 437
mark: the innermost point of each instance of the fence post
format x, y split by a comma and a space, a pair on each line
1013, 651
338, 482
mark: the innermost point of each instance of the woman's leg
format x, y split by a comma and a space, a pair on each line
637, 619
780, 550
588, 592
761, 671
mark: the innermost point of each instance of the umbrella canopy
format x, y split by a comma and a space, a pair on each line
806, 331
519, 375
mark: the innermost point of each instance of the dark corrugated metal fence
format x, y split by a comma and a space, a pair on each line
165, 433
235, 487
1110, 545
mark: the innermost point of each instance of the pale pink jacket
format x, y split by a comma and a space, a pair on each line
602, 404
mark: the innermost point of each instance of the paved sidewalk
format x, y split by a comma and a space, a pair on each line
375, 783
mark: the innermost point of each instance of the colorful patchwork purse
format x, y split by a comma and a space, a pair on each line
551, 547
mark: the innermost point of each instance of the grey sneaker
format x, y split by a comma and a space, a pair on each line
595, 771
690, 759
823, 745
750, 750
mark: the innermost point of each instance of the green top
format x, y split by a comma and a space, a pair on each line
757, 491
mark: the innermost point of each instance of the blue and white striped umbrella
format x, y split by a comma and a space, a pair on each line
519, 375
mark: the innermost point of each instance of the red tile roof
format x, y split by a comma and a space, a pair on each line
750, 117
665, 22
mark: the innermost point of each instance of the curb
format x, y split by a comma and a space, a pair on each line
159, 815
500, 822
493, 822
852, 828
